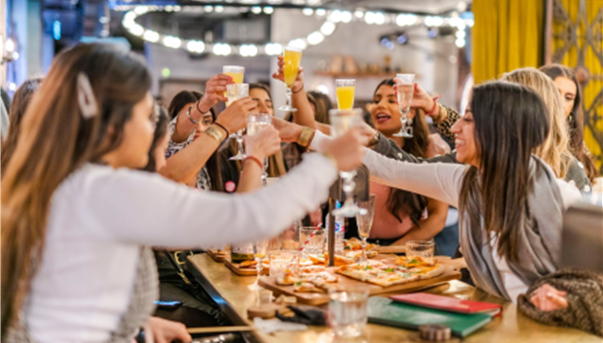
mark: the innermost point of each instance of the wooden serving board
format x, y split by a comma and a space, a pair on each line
451, 272
235, 267
218, 257
393, 249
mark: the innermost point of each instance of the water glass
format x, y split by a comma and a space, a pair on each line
255, 123
235, 92
339, 248
313, 240
347, 311
423, 249
282, 260
405, 84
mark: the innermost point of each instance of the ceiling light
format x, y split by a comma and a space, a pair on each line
321, 12
273, 49
219, 9
327, 28
268, 10
315, 38
172, 42
196, 46
346, 16
256, 9
359, 14
151, 36
298, 43
307, 11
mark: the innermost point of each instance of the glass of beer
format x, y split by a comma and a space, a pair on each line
292, 58
236, 72
345, 93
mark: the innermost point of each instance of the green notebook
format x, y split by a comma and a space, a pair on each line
388, 312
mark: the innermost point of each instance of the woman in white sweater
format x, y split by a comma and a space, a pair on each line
76, 215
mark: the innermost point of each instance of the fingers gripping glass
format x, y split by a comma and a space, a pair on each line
405, 84
292, 58
341, 122
235, 92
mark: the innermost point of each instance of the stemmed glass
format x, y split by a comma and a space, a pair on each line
364, 222
255, 123
235, 92
341, 122
292, 58
405, 83
259, 252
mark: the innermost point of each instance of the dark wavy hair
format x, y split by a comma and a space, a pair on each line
161, 129
214, 169
575, 119
322, 104
511, 120
400, 202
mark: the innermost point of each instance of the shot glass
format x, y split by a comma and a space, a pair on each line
422, 249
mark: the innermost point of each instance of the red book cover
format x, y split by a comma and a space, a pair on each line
440, 302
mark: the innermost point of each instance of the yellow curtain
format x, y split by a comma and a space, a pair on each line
507, 35
593, 92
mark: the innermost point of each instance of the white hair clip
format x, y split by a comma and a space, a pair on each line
85, 96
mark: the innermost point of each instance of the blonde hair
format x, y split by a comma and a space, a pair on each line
555, 149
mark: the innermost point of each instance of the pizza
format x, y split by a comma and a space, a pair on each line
321, 283
354, 244
253, 264
404, 271
349, 257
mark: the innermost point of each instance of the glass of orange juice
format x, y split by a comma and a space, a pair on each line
345, 93
236, 72
292, 58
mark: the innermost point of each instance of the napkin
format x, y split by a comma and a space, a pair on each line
273, 325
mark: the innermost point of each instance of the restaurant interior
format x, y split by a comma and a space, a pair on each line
312, 170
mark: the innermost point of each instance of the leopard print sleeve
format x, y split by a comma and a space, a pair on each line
445, 126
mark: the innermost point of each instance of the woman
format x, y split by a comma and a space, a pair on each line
80, 260
555, 149
21, 100
402, 216
568, 86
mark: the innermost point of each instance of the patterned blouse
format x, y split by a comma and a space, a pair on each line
203, 179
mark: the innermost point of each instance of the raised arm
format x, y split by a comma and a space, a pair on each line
303, 116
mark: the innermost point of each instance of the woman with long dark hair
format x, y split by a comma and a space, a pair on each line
77, 216
568, 86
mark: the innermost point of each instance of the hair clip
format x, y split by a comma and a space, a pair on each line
85, 96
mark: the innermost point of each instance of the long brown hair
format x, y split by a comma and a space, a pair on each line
55, 141
21, 100
555, 149
575, 119
510, 121
400, 202
214, 163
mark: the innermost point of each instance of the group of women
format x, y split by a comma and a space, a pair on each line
88, 186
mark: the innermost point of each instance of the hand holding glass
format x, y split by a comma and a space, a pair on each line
292, 58
236, 72
235, 92
405, 84
364, 222
255, 123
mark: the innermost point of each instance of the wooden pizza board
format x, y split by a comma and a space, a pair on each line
235, 267
451, 272
393, 249
218, 257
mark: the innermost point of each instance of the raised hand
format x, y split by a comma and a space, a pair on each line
288, 132
234, 117
348, 150
548, 298
214, 91
263, 144
280, 75
420, 98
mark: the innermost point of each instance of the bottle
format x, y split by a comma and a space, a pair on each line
241, 252
339, 232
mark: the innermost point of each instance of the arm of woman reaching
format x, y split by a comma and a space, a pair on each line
214, 90
138, 208
429, 227
303, 116
187, 163
257, 147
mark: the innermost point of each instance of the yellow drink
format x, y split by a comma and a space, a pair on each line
345, 97
236, 77
292, 60
236, 72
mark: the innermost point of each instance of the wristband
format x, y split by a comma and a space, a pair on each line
198, 109
254, 159
302, 88
188, 114
216, 133
432, 111
223, 128
305, 137
373, 141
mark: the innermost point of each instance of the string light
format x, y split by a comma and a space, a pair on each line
315, 38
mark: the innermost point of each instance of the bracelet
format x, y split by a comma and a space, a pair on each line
254, 159
198, 109
302, 88
434, 108
305, 137
188, 114
223, 128
331, 158
373, 141
217, 134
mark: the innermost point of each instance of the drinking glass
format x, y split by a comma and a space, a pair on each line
422, 249
236, 72
345, 93
364, 222
259, 252
406, 84
255, 123
235, 92
341, 122
290, 237
281, 260
313, 240
292, 58
347, 311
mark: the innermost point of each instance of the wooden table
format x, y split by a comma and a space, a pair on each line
230, 291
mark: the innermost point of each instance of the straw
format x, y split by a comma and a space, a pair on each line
309, 238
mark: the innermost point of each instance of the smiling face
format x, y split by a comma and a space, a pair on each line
263, 100
465, 144
568, 91
385, 111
